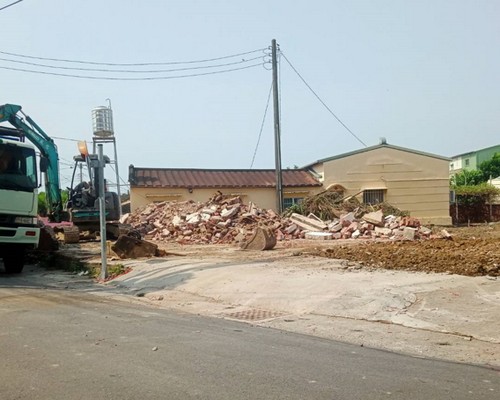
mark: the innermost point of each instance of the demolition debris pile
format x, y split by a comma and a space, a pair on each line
221, 220
226, 220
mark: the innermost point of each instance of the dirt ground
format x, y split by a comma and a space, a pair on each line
471, 251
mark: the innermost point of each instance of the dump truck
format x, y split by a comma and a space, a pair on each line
19, 228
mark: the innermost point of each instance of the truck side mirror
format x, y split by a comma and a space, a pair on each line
44, 164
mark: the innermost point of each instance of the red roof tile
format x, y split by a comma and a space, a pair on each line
216, 178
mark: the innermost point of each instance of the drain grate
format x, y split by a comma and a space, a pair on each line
254, 315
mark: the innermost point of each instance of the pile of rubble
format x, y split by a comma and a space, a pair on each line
220, 220
228, 220
370, 225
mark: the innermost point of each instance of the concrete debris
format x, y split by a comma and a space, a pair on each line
308, 223
224, 220
376, 218
445, 234
319, 235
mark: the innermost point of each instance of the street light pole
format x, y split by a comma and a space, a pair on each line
102, 213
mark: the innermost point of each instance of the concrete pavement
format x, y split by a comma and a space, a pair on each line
433, 315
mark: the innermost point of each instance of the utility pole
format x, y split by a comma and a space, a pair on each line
277, 131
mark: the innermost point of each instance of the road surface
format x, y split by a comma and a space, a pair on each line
62, 344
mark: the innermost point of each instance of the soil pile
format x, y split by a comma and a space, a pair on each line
462, 256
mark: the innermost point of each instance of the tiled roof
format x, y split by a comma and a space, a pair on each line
216, 178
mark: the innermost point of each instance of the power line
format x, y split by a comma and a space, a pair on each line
124, 183
128, 70
134, 64
321, 101
11, 4
261, 126
110, 78
70, 140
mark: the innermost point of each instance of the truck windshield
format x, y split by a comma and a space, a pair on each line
17, 168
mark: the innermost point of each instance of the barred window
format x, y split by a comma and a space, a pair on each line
290, 201
373, 196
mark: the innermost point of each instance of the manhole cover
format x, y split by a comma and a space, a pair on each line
254, 315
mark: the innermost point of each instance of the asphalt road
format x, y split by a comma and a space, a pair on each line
60, 344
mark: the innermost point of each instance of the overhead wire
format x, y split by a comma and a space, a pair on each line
262, 125
129, 70
124, 183
134, 64
9, 5
321, 101
153, 78
68, 139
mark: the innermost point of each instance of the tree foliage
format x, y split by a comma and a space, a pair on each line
43, 208
490, 168
467, 178
475, 194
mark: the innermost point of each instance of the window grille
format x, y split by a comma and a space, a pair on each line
373, 196
290, 201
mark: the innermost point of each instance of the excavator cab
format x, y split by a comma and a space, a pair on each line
82, 206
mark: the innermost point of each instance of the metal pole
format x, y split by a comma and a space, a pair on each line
277, 131
102, 214
118, 192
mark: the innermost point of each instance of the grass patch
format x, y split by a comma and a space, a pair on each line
114, 270
59, 262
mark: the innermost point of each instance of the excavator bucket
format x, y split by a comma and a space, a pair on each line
261, 239
71, 234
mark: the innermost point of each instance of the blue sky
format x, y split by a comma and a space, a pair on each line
422, 74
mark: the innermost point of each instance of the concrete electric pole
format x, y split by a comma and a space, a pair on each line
277, 130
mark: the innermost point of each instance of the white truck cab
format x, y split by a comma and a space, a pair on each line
18, 202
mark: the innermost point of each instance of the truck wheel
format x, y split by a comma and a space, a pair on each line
14, 262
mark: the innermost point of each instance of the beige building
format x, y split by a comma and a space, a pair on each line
407, 179
149, 185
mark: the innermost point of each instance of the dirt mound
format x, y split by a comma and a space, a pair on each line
471, 257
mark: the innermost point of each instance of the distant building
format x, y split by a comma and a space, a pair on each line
471, 160
408, 179
258, 186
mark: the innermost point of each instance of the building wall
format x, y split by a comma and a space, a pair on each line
412, 182
486, 154
469, 162
262, 197
455, 165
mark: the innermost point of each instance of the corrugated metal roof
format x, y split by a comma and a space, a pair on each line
216, 178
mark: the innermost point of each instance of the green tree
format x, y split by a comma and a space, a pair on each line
490, 168
467, 178
43, 207
42, 204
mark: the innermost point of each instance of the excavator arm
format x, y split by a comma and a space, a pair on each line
48, 149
